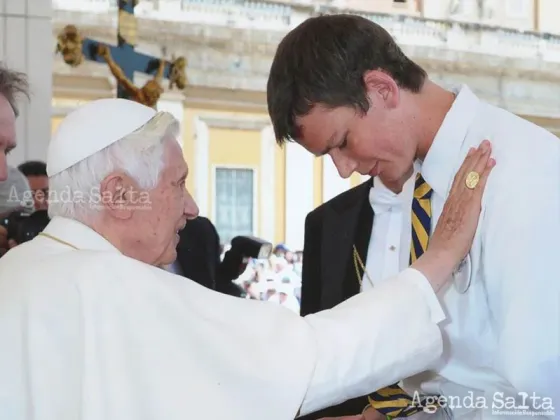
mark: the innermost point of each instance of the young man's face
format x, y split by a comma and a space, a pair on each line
378, 143
7, 134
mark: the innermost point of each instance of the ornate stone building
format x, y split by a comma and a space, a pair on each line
239, 177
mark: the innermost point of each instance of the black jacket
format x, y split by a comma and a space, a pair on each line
198, 256
328, 273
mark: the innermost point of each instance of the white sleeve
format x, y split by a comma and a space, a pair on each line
357, 357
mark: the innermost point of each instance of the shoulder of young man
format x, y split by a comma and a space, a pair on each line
353, 196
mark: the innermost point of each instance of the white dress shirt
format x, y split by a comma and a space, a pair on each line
502, 336
389, 247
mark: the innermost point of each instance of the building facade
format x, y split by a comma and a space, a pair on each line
241, 179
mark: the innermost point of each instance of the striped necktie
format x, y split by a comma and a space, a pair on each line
393, 401
421, 218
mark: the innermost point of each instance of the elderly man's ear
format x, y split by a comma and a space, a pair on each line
119, 194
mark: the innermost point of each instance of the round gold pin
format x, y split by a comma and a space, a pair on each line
472, 180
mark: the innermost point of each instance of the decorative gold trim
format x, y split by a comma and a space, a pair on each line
359, 264
54, 238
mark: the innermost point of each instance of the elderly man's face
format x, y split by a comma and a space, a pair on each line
7, 134
171, 207
145, 223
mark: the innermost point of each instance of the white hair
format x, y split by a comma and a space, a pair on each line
140, 154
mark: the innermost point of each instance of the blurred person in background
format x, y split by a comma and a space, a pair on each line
12, 85
15, 196
36, 173
284, 296
198, 258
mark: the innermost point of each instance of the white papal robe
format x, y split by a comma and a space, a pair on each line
90, 334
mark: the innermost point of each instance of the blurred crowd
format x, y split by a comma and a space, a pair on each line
276, 279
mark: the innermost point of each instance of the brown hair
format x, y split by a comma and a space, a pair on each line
12, 85
323, 61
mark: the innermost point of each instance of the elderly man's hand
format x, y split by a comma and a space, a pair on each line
372, 414
368, 414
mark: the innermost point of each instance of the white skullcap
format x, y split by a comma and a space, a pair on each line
93, 127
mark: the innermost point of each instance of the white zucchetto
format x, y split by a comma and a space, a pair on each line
93, 127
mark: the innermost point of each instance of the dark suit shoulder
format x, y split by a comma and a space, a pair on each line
342, 200
200, 227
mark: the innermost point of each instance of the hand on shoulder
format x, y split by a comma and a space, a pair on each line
369, 414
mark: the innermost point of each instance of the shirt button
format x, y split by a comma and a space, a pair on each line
392, 247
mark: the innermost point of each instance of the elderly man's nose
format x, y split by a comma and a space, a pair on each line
191, 208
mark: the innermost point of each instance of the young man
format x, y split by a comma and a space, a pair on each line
340, 85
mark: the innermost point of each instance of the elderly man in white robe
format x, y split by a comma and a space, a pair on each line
92, 329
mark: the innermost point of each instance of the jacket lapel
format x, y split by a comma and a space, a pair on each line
339, 231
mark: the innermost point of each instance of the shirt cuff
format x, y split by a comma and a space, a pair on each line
421, 282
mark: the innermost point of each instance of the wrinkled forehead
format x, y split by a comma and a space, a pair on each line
175, 156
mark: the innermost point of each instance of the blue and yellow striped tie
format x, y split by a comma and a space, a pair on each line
393, 401
421, 218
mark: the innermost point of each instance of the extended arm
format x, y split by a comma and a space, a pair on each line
121, 77
117, 71
161, 69
352, 362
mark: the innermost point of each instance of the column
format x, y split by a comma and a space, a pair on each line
201, 162
299, 192
172, 102
267, 184
333, 183
26, 45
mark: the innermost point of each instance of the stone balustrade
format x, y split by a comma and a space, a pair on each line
86, 6
229, 44
277, 16
470, 37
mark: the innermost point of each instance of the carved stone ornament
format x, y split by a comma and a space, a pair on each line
69, 45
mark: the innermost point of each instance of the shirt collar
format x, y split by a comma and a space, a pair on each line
382, 198
440, 164
78, 235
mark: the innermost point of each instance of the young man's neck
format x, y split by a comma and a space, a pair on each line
435, 102
430, 107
